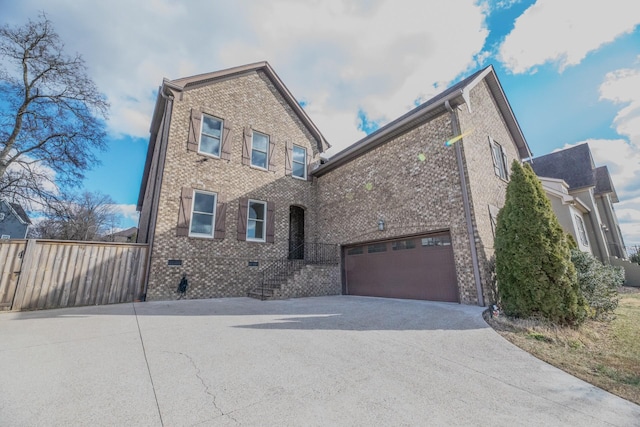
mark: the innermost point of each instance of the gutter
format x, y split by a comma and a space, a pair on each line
388, 131
153, 215
467, 210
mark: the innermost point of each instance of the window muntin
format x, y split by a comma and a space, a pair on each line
210, 135
436, 241
403, 244
256, 223
260, 150
377, 247
499, 160
358, 250
299, 162
582, 233
203, 214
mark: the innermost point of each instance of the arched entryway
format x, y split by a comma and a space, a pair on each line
296, 232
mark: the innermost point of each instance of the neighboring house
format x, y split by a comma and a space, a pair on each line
592, 186
123, 236
573, 213
14, 221
233, 183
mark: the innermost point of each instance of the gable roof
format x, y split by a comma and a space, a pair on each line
575, 165
18, 212
194, 82
456, 95
171, 87
604, 184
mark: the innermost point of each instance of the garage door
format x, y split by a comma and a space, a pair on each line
415, 268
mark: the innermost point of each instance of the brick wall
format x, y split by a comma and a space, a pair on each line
219, 267
312, 281
485, 187
411, 195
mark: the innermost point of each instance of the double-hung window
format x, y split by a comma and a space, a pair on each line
256, 224
299, 162
260, 150
499, 160
210, 135
582, 233
203, 214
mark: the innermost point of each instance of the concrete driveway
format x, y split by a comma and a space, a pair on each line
312, 361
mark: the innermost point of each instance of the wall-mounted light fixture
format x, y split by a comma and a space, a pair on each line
381, 224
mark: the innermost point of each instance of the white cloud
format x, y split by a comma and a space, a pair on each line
128, 215
623, 87
338, 55
564, 32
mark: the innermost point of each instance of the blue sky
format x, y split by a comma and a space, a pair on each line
570, 69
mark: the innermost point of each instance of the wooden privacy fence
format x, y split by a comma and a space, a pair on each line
42, 274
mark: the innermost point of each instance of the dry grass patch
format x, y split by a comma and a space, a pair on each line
604, 353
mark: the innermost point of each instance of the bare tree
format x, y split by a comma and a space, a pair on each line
86, 216
52, 116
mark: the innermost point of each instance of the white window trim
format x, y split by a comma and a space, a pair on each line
213, 215
304, 174
264, 221
581, 230
5, 237
204, 153
266, 168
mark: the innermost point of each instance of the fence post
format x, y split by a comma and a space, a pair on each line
23, 277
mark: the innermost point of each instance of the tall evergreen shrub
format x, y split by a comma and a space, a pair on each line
533, 261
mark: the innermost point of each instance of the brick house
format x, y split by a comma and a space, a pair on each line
235, 194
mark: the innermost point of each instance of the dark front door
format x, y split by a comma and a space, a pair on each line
296, 232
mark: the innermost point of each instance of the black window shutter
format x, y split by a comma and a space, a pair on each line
246, 146
288, 155
271, 222
505, 162
194, 130
272, 153
184, 213
496, 167
242, 218
310, 165
225, 149
221, 216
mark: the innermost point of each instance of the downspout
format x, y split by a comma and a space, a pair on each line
151, 230
467, 210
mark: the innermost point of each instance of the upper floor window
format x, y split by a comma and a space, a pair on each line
260, 150
499, 160
210, 135
256, 229
203, 214
299, 163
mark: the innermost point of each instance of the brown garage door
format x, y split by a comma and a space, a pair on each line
415, 268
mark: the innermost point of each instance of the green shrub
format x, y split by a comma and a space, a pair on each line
598, 282
533, 261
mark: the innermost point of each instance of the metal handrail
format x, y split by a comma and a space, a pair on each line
306, 253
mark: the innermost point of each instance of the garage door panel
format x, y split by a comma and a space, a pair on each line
418, 268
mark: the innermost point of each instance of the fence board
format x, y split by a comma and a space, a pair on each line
56, 274
11, 252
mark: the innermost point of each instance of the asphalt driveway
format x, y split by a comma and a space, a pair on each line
311, 361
